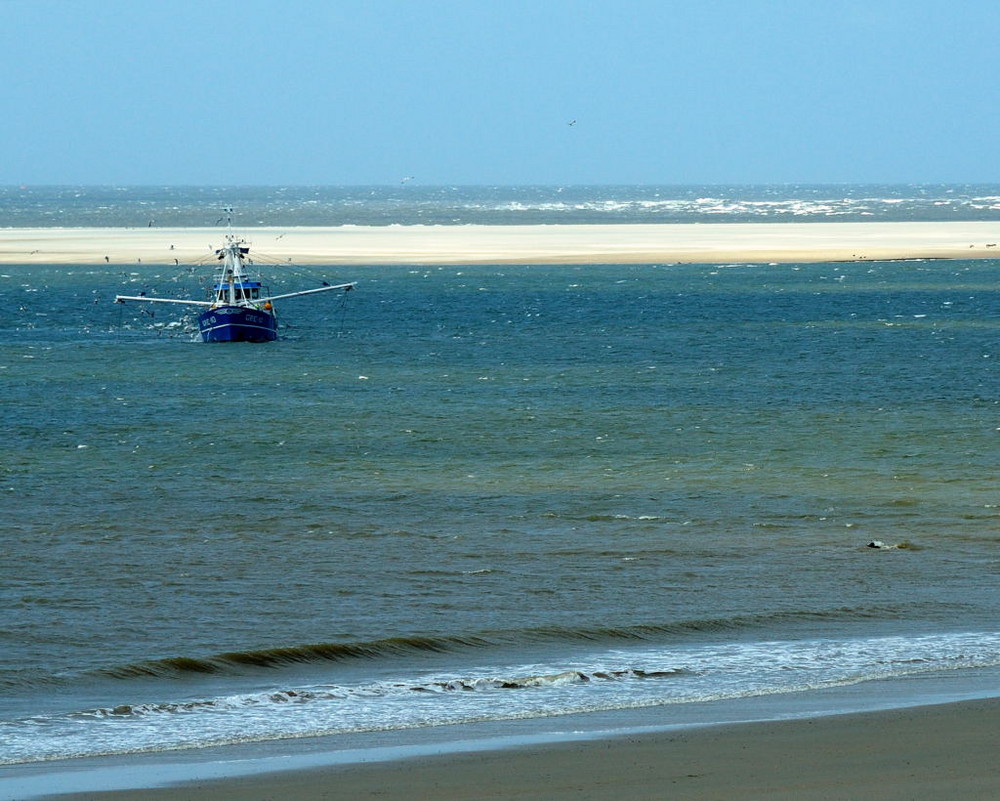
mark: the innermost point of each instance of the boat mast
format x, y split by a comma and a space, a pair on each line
232, 271
232, 264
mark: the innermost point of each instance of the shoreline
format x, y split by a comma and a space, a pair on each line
934, 751
929, 714
684, 243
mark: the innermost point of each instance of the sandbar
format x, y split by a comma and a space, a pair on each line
516, 244
928, 752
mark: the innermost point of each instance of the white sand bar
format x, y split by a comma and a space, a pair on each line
516, 244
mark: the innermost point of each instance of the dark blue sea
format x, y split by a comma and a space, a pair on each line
469, 495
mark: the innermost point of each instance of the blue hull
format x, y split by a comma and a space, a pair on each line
237, 324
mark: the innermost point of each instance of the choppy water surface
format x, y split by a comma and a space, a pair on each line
486, 493
413, 203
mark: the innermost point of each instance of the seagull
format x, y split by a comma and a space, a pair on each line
571, 122
407, 178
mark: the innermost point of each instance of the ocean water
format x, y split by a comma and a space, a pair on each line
411, 204
479, 494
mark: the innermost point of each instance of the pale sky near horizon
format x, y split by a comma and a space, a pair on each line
349, 92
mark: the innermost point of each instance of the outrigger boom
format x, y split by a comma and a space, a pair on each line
348, 286
270, 298
123, 298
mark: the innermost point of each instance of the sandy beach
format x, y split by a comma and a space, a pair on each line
934, 752
515, 244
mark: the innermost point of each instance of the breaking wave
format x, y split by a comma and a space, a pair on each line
608, 678
108, 206
384, 689
239, 662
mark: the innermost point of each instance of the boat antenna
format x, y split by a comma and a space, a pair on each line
227, 217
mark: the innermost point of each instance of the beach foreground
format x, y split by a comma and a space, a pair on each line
516, 244
931, 752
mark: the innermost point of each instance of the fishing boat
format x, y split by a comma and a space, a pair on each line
240, 308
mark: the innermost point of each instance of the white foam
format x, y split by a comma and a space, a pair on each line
621, 678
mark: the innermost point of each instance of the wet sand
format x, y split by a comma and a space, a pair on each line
515, 244
934, 752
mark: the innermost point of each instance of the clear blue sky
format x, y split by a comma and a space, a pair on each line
483, 91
